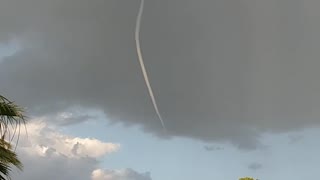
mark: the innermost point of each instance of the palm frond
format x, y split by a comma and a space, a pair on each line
8, 158
4, 171
11, 118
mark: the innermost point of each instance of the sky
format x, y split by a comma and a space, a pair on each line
236, 83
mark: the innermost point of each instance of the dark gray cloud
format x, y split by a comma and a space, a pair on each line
221, 70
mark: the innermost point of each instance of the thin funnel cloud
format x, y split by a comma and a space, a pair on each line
143, 68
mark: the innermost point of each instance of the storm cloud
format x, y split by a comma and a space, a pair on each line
223, 70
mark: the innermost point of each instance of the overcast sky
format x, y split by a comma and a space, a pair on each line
236, 83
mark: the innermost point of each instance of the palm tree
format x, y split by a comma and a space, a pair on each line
7, 158
11, 119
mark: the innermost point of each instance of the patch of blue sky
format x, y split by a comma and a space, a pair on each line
8, 49
177, 158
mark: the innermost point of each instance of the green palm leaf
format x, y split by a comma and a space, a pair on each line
11, 119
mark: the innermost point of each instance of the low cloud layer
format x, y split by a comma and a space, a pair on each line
72, 116
123, 174
221, 70
255, 166
213, 148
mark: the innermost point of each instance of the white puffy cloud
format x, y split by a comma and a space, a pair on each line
123, 174
41, 137
49, 154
